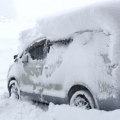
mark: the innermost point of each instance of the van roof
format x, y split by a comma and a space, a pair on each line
103, 16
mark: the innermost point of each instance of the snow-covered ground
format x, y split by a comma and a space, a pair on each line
12, 109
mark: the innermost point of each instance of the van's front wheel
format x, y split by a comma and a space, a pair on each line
14, 89
82, 99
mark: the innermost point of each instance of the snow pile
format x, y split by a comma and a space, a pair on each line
22, 110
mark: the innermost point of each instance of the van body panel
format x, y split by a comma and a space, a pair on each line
84, 62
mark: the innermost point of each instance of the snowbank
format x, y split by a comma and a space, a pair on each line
11, 109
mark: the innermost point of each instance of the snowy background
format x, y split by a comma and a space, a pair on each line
16, 15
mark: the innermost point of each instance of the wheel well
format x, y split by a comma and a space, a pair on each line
12, 78
76, 88
10, 86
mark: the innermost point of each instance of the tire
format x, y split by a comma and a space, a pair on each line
14, 90
82, 99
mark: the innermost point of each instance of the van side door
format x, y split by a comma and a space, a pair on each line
33, 68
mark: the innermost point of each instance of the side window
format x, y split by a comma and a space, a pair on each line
37, 52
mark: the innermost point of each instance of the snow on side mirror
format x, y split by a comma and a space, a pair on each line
25, 58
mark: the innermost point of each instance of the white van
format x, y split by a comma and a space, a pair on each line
77, 63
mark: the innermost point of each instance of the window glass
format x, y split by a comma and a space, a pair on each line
36, 52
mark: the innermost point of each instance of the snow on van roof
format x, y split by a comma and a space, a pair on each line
101, 16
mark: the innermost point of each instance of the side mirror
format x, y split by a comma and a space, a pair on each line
15, 56
25, 58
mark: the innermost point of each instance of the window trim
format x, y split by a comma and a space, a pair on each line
39, 43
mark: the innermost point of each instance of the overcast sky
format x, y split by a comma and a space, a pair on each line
23, 13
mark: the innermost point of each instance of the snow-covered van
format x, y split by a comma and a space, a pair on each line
76, 63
